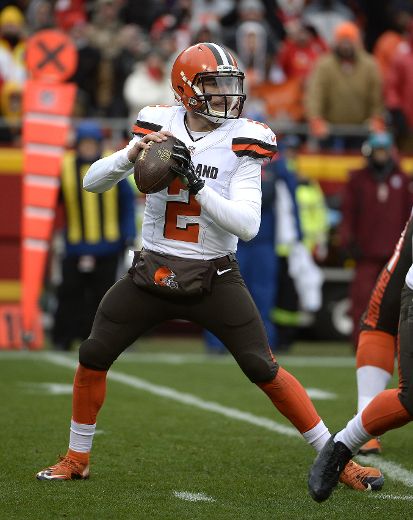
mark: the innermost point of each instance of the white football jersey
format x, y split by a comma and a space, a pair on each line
228, 159
174, 220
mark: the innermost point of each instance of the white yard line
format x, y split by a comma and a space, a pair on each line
193, 497
393, 470
322, 395
65, 389
391, 497
185, 359
48, 388
181, 397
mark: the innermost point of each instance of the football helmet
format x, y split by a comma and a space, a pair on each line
206, 80
165, 278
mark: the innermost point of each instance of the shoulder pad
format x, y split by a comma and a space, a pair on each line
254, 139
152, 118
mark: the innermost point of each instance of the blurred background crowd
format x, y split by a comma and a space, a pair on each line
329, 76
324, 62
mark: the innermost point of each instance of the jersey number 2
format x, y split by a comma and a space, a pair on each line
175, 209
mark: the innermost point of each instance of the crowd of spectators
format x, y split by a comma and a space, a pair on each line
321, 62
327, 72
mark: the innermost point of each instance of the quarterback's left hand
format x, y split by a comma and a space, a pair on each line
185, 167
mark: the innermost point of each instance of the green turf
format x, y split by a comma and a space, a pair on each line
152, 446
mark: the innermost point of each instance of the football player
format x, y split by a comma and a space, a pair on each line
192, 226
383, 409
377, 340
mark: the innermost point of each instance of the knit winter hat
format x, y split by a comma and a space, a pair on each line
347, 31
11, 15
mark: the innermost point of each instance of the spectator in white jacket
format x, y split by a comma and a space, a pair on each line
148, 84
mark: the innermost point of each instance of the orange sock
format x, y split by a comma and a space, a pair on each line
83, 458
376, 348
290, 399
89, 388
385, 413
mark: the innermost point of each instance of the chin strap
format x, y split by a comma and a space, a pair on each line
213, 119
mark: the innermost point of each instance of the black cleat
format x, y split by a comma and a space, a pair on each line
326, 469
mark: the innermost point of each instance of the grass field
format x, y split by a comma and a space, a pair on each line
184, 436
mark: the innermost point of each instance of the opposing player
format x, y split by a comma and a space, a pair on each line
377, 340
386, 409
187, 268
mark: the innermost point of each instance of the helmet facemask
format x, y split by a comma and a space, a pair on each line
218, 95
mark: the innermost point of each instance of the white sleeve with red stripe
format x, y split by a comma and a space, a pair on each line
153, 118
241, 213
255, 140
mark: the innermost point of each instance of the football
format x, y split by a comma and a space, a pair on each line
152, 169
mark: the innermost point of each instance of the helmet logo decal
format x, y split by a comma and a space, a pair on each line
164, 277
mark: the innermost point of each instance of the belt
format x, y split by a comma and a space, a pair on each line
223, 261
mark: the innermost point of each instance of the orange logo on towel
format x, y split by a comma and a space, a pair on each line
165, 278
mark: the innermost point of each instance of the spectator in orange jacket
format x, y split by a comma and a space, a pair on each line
392, 41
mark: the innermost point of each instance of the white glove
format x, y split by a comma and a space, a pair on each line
307, 277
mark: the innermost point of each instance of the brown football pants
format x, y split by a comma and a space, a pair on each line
405, 351
228, 311
390, 301
383, 309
